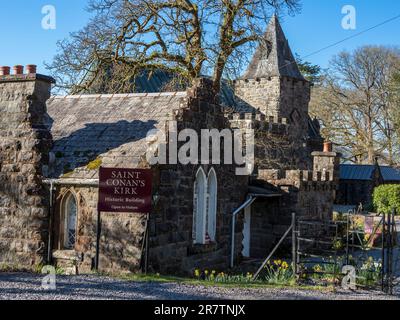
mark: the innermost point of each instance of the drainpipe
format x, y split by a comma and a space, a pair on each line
247, 203
49, 242
73, 182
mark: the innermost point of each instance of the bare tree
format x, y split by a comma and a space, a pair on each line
184, 37
356, 105
394, 115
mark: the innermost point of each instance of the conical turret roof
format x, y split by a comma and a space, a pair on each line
273, 57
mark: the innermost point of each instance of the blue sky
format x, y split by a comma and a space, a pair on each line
318, 25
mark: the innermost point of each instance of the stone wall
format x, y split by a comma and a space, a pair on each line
275, 144
280, 97
263, 94
172, 249
24, 146
309, 194
120, 242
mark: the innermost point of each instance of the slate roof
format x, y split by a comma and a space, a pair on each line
356, 172
273, 57
159, 78
365, 172
155, 82
112, 128
390, 174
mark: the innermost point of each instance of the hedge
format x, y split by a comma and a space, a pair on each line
386, 198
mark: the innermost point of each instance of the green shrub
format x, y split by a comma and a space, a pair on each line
386, 198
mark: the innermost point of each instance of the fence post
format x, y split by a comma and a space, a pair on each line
391, 244
294, 249
347, 237
383, 251
388, 250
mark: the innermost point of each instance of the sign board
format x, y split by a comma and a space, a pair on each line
125, 190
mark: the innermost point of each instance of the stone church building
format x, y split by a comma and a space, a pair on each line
51, 149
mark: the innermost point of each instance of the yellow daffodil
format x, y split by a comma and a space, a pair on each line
278, 262
317, 268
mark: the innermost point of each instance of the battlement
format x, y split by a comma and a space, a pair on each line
258, 121
268, 80
255, 116
301, 179
295, 175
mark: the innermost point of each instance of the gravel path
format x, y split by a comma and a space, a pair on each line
28, 287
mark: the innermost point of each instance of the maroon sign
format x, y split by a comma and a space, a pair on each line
125, 190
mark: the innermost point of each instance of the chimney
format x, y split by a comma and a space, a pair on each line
25, 142
31, 68
327, 161
18, 69
18, 75
18, 85
4, 71
328, 147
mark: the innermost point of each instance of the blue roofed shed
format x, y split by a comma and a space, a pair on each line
357, 182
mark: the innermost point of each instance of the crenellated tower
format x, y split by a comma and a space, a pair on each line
274, 86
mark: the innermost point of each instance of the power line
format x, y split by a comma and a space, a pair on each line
344, 40
353, 36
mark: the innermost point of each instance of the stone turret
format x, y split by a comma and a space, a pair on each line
274, 87
273, 83
24, 149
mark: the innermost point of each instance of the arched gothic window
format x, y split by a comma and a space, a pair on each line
199, 208
70, 214
204, 207
211, 205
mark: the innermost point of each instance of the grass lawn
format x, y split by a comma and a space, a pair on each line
191, 281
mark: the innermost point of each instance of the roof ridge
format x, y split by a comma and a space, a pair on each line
119, 95
356, 164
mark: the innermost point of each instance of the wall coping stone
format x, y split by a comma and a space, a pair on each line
326, 154
26, 77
